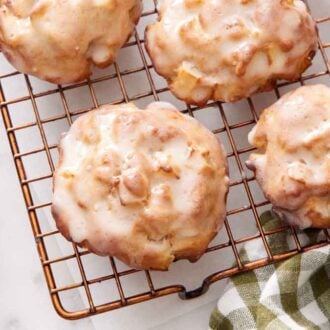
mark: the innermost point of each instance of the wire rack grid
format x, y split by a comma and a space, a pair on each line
27, 120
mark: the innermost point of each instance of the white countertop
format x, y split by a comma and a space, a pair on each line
24, 299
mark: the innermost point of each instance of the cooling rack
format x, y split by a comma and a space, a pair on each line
35, 116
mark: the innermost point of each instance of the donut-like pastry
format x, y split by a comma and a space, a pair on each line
60, 40
147, 187
293, 163
225, 50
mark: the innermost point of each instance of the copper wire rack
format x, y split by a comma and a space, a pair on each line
139, 83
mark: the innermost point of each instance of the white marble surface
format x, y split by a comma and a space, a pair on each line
24, 298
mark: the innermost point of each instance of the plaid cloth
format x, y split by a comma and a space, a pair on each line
292, 294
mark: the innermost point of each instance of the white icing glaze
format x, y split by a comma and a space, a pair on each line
150, 179
227, 49
59, 40
293, 167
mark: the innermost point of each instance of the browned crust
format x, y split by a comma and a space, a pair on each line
191, 249
297, 196
86, 71
305, 62
269, 85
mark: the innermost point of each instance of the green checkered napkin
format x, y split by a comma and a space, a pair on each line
292, 294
